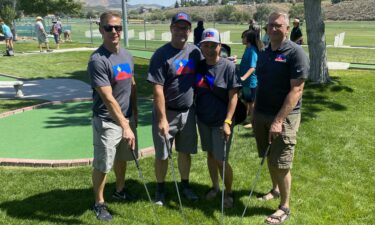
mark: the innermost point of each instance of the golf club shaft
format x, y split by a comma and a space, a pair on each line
169, 148
144, 184
223, 182
256, 178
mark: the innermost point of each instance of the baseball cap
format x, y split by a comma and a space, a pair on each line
181, 16
210, 34
296, 21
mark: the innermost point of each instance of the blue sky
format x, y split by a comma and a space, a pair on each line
160, 2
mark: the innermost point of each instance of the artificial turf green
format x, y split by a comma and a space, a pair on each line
60, 131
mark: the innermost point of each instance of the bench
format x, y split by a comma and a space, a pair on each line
18, 85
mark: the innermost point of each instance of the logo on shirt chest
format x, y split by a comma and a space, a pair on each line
122, 72
205, 81
184, 66
280, 58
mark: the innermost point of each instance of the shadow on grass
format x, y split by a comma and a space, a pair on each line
79, 114
77, 75
66, 206
316, 98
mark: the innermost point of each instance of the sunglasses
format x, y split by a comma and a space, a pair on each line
109, 28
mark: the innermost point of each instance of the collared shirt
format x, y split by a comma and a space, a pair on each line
275, 69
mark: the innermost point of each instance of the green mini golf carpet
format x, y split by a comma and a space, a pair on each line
61, 131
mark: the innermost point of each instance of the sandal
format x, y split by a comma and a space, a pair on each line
275, 194
281, 218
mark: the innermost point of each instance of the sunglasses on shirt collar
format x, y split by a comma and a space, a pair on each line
109, 28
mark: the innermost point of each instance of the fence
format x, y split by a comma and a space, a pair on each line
141, 34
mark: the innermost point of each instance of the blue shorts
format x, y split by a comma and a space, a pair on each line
248, 94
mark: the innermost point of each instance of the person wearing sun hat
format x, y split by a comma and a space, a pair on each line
217, 89
296, 33
41, 34
172, 74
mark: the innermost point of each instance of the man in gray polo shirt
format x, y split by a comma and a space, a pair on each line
110, 69
282, 69
172, 73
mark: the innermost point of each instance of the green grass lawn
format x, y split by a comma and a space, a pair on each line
333, 173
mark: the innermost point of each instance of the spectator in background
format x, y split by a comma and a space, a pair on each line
247, 70
67, 35
198, 32
59, 27
55, 32
41, 34
296, 33
253, 25
7, 35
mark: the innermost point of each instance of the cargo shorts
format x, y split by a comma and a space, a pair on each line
281, 152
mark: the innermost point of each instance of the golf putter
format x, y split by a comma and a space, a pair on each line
223, 182
169, 149
256, 178
144, 184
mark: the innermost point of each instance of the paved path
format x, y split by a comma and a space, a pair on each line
51, 90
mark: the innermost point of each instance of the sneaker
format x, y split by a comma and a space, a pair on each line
124, 195
101, 212
228, 200
159, 198
189, 194
212, 193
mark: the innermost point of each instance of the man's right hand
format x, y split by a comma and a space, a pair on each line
163, 126
129, 137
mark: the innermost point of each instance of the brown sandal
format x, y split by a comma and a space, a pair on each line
275, 194
281, 218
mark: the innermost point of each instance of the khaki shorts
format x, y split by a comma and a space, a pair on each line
109, 145
282, 148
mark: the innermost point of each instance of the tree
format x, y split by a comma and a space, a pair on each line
315, 29
44, 7
297, 11
176, 5
262, 13
8, 14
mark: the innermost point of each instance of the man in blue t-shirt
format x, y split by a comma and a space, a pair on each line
7, 35
172, 74
282, 69
110, 70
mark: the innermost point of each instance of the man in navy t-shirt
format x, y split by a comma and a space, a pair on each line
282, 69
172, 73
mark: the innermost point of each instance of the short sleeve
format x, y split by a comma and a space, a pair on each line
299, 64
254, 59
98, 74
233, 79
157, 71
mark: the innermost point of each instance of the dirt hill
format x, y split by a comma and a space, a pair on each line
351, 10
347, 10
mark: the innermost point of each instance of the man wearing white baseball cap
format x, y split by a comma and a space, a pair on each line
216, 98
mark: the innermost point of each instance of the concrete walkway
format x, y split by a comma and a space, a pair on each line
51, 90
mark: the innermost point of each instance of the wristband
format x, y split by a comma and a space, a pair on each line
229, 122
